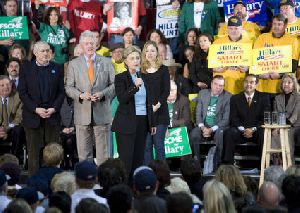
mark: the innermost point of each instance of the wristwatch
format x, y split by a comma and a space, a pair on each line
253, 129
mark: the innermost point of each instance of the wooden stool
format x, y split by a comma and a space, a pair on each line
267, 150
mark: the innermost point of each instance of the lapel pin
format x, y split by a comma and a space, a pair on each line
53, 71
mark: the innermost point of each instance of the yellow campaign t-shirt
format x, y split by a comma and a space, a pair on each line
104, 51
250, 30
267, 40
234, 78
119, 67
294, 28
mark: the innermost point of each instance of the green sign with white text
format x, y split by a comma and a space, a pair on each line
15, 27
176, 143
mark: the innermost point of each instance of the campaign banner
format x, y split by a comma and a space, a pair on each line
272, 59
124, 13
229, 54
55, 3
176, 143
256, 10
297, 4
15, 27
221, 2
167, 20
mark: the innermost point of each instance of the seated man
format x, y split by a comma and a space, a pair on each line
212, 114
10, 116
246, 117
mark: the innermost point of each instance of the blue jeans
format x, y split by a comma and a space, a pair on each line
158, 140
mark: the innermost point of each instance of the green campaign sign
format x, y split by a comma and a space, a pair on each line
13, 27
176, 144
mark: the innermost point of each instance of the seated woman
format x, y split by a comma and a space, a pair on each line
288, 101
199, 73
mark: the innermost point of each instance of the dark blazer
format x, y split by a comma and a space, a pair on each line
181, 112
243, 115
199, 71
125, 118
30, 93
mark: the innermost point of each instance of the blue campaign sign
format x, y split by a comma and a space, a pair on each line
297, 4
256, 10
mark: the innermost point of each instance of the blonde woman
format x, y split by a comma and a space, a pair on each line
288, 102
158, 80
217, 198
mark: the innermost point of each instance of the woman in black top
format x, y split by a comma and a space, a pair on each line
131, 121
158, 80
200, 74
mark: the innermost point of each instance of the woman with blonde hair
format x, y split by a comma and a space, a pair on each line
157, 78
288, 102
217, 198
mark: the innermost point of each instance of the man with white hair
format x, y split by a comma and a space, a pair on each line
90, 82
41, 90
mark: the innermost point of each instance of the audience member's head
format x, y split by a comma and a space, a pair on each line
13, 67
179, 202
279, 24
293, 170
291, 191
162, 172
53, 154
86, 174
61, 200
5, 86
14, 172
144, 181
119, 198
90, 205
179, 185
268, 195
252, 185
8, 158
17, 206
190, 169
64, 181
17, 51
217, 198
11, 7
117, 52
273, 174
111, 172
30, 196
231, 177
52, 210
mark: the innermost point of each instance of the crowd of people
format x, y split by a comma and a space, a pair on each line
71, 89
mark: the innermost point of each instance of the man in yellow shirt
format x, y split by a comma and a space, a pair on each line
270, 82
100, 49
117, 57
250, 29
234, 76
287, 9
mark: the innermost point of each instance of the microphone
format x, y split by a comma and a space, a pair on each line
138, 72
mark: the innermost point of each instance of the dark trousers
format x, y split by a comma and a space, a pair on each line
131, 146
36, 139
70, 149
233, 136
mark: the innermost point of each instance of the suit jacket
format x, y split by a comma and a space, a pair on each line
222, 111
125, 118
243, 115
14, 109
181, 112
30, 93
292, 109
78, 82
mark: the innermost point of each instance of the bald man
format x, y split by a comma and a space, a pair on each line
268, 196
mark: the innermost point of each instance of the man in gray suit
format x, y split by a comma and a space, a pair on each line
212, 115
90, 82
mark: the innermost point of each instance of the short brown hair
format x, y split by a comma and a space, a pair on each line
53, 154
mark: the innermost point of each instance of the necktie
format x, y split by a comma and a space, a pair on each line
4, 113
249, 101
13, 82
91, 71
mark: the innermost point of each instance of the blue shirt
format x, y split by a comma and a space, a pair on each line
140, 99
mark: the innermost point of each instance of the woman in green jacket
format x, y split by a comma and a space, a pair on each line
205, 17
